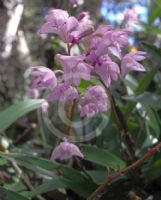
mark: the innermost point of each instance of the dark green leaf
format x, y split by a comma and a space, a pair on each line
47, 186
73, 179
102, 157
153, 172
32, 160
98, 175
11, 114
82, 188
153, 121
10, 195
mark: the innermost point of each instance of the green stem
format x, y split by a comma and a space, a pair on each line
70, 112
71, 103
121, 123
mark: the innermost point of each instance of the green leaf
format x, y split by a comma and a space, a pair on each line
45, 164
8, 195
102, 157
151, 29
130, 82
153, 172
34, 162
98, 175
84, 84
84, 189
153, 121
158, 2
154, 14
145, 82
11, 114
47, 186
148, 99
141, 88
73, 179
17, 187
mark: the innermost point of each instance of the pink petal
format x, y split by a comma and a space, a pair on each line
65, 151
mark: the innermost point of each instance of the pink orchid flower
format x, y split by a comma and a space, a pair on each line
108, 71
66, 150
63, 92
74, 68
94, 101
130, 62
45, 78
68, 28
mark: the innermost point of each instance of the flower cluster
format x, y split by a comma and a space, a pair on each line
102, 56
94, 101
69, 29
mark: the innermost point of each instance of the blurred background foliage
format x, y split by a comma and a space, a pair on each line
25, 141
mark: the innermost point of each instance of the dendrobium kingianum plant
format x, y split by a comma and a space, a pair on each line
101, 57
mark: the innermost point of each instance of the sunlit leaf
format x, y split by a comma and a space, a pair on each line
154, 14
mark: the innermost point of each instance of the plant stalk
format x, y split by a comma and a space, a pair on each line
121, 123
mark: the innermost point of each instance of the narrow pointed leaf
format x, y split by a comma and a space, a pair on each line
11, 114
8, 195
102, 157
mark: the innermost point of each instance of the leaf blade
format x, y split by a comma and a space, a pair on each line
15, 111
6, 194
102, 157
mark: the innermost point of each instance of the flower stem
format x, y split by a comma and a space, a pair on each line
70, 104
121, 123
70, 112
69, 47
